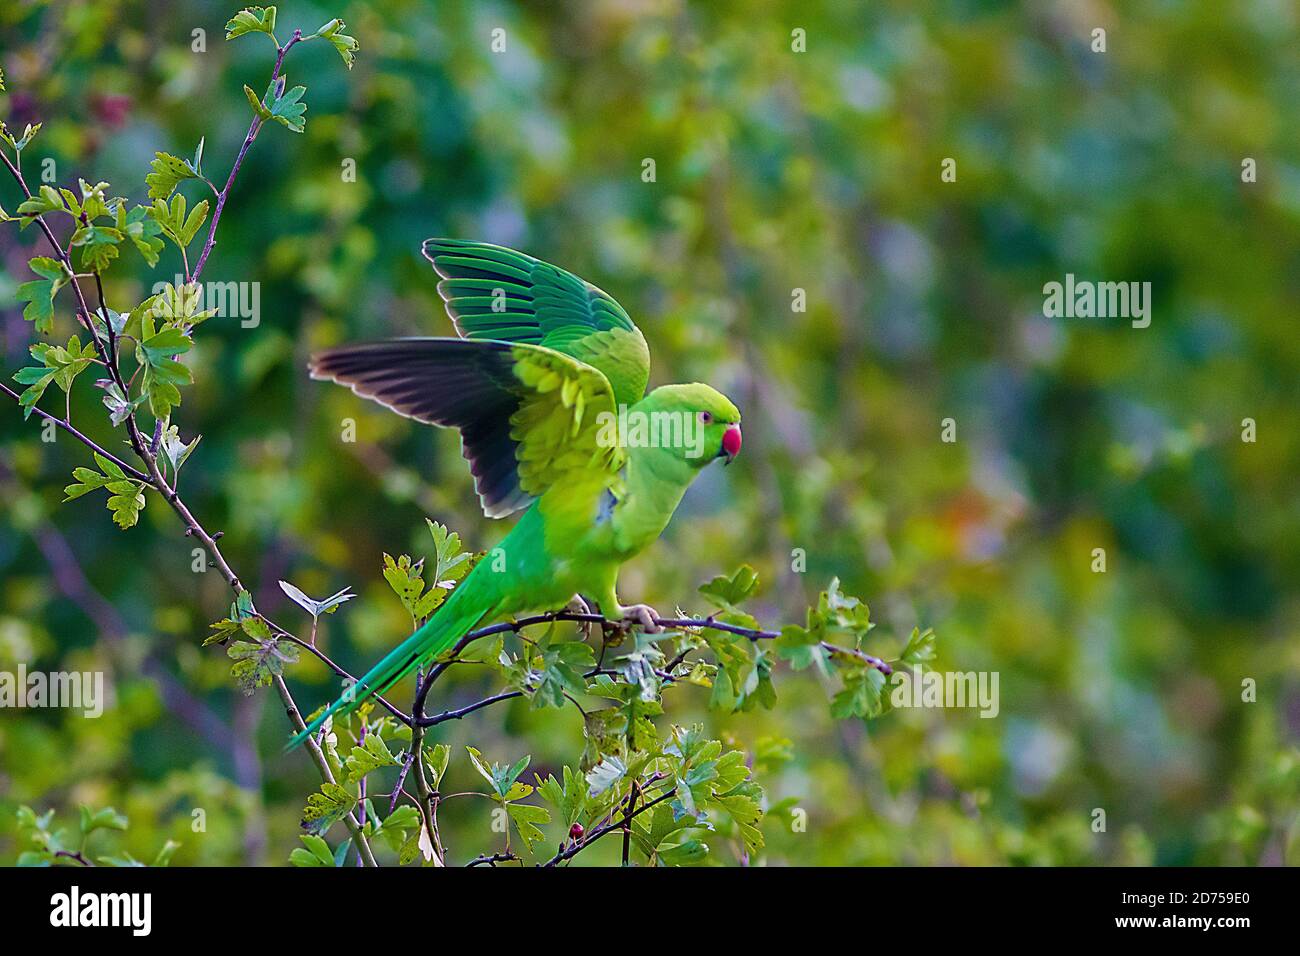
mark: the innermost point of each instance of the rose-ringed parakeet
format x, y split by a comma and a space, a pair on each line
546, 385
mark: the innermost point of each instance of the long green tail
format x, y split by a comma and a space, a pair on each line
461, 613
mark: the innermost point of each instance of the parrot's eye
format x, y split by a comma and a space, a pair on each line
705, 417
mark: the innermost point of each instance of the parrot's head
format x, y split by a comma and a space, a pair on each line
704, 422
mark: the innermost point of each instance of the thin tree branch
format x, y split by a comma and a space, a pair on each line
632, 796
318, 756
460, 712
337, 669
606, 829
88, 442
492, 859
84, 313
107, 355
79, 858
754, 634
224, 195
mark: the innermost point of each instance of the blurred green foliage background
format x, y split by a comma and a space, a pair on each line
775, 171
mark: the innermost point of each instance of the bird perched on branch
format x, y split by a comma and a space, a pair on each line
546, 385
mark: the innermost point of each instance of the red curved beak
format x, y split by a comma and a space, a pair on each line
731, 443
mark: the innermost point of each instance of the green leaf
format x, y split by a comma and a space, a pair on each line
842, 613
341, 852
256, 104
167, 172
313, 607
70, 361
756, 689
452, 562
142, 229
664, 823
743, 806
569, 800
316, 853
286, 108
105, 819
368, 757
394, 829
28, 135
326, 807
242, 607
37, 379
252, 20
735, 659
258, 662
165, 853
162, 373
346, 45
604, 732
405, 817
47, 200
89, 479
564, 664
174, 449
126, 505
175, 224
502, 778
222, 631
526, 818
98, 245
860, 696
435, 761
688, 853
406, 578
800, 646
178, 306
39, 293
920, 647
126, 499
256, 628
728, 593
198, 216
18, 143
94, 203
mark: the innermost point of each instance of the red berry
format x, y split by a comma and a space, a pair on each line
576, 831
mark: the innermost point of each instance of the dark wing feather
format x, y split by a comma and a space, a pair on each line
456, 383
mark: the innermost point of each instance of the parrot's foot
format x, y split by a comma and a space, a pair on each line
644, 615
579, 605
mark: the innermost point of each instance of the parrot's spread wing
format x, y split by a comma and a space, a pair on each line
496, 293
527, 414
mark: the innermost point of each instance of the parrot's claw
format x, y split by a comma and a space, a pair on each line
644, 615
579, 605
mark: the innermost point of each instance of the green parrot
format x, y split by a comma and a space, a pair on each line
547, 386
